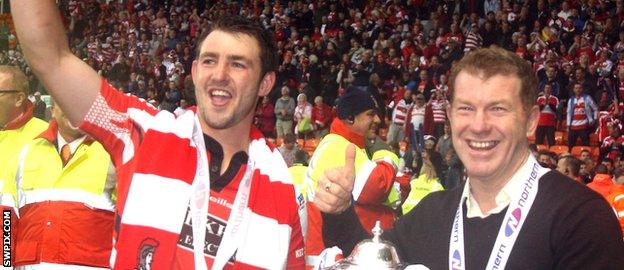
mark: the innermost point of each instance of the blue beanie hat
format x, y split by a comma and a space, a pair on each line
354, 102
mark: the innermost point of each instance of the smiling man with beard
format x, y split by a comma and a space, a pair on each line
179, 177
511, 213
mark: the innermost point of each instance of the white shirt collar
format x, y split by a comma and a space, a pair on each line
73, 145
510, 191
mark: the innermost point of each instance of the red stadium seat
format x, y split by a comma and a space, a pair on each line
559, 149
576, 150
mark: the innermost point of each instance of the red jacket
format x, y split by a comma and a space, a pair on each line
322, 116
265, 118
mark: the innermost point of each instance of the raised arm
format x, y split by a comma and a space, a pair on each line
72, 83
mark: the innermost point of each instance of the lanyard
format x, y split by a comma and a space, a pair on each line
237, 222
516, 214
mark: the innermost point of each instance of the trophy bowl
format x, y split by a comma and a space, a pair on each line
371, 254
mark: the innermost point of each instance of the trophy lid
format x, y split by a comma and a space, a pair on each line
372, 253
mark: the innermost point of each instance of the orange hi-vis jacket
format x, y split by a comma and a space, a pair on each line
616, 200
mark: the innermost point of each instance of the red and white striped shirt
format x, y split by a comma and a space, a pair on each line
547, 115
439, 111
579, 117
399, 114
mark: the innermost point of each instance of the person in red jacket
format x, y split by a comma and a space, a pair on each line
322, 117
265, 118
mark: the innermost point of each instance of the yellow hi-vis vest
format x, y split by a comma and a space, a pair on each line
298, 172
330, 153
419, 189
11, 142
88, 177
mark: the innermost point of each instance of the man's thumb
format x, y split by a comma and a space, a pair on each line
349, 168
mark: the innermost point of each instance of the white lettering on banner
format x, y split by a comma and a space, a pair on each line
516, 214
499, 256
456, 228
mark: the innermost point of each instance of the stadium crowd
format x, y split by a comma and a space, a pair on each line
400, 52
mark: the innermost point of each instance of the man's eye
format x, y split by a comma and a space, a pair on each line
499, 109
238, 65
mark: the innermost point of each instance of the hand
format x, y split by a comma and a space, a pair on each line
333, 192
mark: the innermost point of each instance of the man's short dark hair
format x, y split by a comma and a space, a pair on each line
240, 25
290, 138
601, 169
573, 164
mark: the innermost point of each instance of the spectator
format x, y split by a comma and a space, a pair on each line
581, 117
399, 110
586, 170
298, 170
438, 105
419, 122
284, 111
39, 107
289, 148
602, 182
303, 117
264, 118
547, 119
183, 108
570, 166
321, 117
172, 97
422, 184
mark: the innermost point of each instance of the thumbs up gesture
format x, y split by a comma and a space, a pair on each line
333, 192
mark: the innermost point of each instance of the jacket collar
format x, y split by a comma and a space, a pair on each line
338, 127
50, 134
22, 119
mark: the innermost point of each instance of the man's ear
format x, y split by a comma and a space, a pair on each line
532, 120
193, 70
20, 99
266, 84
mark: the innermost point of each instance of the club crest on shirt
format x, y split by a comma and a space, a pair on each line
146, 253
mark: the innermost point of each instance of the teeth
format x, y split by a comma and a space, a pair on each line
220, 93
482, 145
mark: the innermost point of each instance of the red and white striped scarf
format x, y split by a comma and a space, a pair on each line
157, 159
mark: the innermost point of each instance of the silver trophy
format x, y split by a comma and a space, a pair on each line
371, 254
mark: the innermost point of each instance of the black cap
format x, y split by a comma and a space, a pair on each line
354, 102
